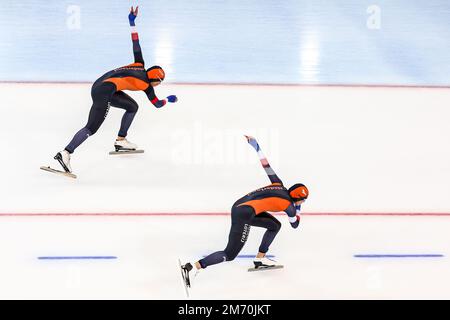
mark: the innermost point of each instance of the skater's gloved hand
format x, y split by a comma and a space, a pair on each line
296, 222
172, 98
252, 141
133, 15
159, 103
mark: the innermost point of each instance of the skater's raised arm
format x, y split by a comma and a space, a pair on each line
138, 58
269, 171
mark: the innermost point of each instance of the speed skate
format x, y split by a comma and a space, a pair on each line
264, 264
63, 173
184, 278
125, 147
126, 151
266, 268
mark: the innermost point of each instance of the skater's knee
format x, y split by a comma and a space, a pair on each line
230, 256
129, 105
133, 108
277, 226
92, 129
274, 226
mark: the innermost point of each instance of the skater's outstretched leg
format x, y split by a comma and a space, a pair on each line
63, 157
101, 93
96, 118
240, 228
78, 139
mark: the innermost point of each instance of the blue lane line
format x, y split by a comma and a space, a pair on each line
76, 257
249, 256
398, 255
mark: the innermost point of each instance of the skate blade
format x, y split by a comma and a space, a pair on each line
123, 151
63, 173
266, 268
182, 279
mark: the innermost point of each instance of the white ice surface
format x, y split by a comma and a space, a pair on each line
358, 150
318, 258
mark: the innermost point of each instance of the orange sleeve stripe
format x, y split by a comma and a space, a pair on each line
267, 204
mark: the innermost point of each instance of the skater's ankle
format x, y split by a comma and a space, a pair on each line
198, 266
120, 138
260, 255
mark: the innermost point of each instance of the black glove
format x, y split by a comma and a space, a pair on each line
297, 222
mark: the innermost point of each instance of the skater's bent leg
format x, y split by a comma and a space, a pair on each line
127, 119
123, 101
237, 238
266, 220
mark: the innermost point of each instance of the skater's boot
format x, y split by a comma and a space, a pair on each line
263, 263
63, 158
189, 272
185, 271
124, 145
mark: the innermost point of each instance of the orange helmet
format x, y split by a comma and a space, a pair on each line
298, 192
155, 73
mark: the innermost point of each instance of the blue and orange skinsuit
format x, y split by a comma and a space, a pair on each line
135, 77
252, 210
274, 197
107, 91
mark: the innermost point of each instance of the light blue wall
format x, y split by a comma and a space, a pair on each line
255, 41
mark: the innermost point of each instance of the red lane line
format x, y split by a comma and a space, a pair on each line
423, 214
313, 85
254, 84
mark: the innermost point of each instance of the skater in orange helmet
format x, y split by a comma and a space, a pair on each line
107, 92
252, 210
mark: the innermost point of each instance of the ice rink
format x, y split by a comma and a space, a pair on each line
318, 258
376, 161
